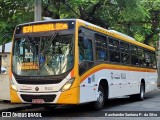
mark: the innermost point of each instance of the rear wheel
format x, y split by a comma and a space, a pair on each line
140, 95
99, 104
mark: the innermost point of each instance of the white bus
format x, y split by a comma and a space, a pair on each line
71, 61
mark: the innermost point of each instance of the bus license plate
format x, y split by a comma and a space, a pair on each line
37, 101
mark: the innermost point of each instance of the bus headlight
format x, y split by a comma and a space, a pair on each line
13, 87
67, 85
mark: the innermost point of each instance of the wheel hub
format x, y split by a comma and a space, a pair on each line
100, 97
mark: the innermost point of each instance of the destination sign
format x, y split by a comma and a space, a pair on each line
44, 27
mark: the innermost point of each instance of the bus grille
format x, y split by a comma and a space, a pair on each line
46, 98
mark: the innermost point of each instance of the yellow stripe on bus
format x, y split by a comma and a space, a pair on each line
114, 67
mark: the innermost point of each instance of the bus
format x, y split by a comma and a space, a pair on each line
71, 61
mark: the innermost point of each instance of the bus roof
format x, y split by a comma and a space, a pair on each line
115, 34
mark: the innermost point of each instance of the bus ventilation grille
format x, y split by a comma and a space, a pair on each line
46, 98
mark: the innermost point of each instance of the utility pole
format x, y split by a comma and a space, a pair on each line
37, 11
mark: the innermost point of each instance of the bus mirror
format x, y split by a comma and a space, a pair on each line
85, 42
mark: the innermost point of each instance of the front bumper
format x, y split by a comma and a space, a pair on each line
70, 96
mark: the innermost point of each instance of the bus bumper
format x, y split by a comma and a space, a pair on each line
70, 96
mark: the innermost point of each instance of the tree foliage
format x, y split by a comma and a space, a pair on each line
13, 12
137, 18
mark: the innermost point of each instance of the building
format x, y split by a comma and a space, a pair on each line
4, 72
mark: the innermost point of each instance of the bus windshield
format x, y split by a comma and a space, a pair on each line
42, 55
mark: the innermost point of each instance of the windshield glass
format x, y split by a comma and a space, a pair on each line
42, 56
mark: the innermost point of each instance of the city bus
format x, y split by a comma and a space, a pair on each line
71, 61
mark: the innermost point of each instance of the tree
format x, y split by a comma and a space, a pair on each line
13, 12
137, 18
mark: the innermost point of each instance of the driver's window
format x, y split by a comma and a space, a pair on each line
85, 51
81, 49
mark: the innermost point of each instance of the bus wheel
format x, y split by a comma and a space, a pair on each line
139, 96
99, 104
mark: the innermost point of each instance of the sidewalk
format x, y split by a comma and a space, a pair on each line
6, 106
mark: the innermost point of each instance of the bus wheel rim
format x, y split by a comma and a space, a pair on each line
142, 92
100, 97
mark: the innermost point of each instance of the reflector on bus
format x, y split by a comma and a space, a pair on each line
44, 27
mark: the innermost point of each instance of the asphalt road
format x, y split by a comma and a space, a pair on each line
114, 109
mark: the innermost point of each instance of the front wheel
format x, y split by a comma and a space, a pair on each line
99, 104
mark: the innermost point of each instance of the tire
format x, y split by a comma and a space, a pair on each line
99, 104
140, 95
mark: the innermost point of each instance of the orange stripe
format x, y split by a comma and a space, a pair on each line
10, 74
72, 73
114, 67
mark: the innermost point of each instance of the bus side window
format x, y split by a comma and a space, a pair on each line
134, 55
81, 50
147, 58
150, 59
85, 53
111, 44
153, 60
125, 56
114, 52
101, 47
89, 52
141, 57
